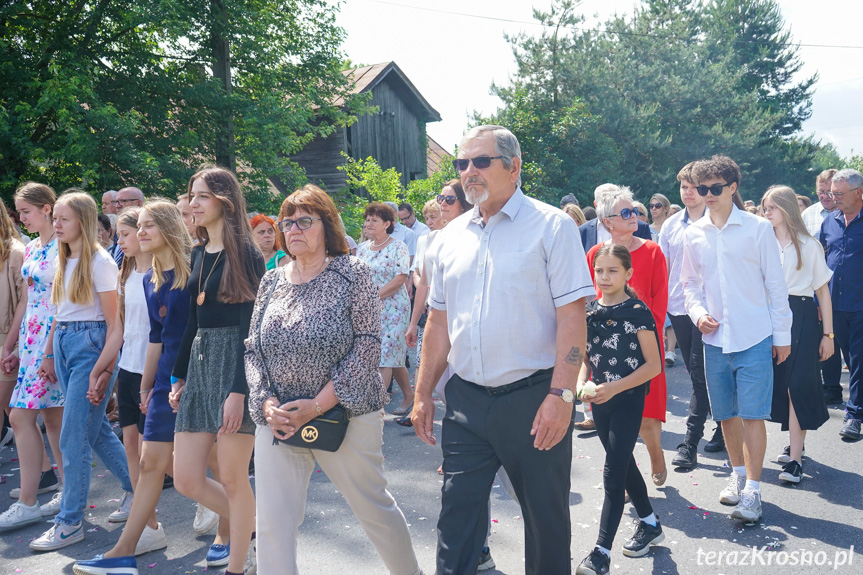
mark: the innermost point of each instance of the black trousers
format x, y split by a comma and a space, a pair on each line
483, 430
617, 423
692, 349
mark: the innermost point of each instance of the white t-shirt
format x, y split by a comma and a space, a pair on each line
136, 325
104, 270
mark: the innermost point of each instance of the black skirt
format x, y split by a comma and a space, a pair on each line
800, 373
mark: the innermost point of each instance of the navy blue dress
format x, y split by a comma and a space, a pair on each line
159, 425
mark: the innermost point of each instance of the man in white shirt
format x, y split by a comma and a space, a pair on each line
513, 266
735, 292
671, 240
814, 215
408, 218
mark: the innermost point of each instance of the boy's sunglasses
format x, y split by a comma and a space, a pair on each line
450, 200
479, 163
626, 213
715, 189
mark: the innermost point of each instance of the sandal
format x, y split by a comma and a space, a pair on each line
586, 425
659, 478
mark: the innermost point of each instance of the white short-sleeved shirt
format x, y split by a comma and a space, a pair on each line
812, 275
136, 324
104, 271
501, 284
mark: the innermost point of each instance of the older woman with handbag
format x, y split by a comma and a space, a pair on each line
312, 354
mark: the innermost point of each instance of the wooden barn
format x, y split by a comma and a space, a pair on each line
395, 135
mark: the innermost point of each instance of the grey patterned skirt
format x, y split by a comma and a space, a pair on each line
212, 366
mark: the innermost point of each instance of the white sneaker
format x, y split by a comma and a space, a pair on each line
250, 567
19, 515
57, 537
151, 540
122, 513
53, 506
730, 494
669, 359
749, 508
205, 520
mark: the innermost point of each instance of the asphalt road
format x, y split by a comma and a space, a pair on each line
815, 522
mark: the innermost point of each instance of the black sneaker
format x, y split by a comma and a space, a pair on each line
785, 456
597, 563
792, 472
645, 536
716, 444
851, 429
485, 560
686, 457
47, 483
168, 482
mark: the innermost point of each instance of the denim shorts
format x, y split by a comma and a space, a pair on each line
740, 384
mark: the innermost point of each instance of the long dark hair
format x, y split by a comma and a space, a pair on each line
621, 253
236, 285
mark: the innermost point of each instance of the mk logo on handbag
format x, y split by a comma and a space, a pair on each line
309, 434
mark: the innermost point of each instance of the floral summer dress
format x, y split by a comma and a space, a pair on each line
396, 309
31, 391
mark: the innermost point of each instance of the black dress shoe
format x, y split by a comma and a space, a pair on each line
716, 444
851, 429
687, 456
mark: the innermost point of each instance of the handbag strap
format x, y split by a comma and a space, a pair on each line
260, 339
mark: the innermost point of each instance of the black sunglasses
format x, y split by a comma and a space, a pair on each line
626, 213
715, 189
654, 206
479, 163
450, 200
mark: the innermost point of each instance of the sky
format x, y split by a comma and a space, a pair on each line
454, 50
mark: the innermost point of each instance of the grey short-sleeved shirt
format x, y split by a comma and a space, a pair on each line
500, 285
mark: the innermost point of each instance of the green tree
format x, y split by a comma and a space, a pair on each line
663, 91
103, 93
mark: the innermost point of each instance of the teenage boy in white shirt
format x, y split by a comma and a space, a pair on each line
735, 293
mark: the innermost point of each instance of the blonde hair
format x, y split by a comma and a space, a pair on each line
128, 217
431, 207
8, 234
167, 218
575, 213
81, 283
785, 200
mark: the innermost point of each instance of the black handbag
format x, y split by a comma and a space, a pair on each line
325, 432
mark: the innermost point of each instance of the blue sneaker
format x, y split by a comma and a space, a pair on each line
218, 555
101, 566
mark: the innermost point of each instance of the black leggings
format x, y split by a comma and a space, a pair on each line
618, 422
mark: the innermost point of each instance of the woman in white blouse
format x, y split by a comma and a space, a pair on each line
798, 398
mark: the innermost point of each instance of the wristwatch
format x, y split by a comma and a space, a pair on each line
830, 335
565, 394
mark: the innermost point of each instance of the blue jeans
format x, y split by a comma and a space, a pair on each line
740, 384
77, 346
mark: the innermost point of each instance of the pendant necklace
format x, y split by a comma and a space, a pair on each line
163, 308
202, 294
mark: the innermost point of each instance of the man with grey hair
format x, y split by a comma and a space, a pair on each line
126, 197
108, 198
842, 238
594, 232
516, 262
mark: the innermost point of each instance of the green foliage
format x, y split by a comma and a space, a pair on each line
367, 181
102, 94
855, 162
676, 81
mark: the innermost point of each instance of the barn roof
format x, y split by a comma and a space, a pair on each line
366, 78
435, 156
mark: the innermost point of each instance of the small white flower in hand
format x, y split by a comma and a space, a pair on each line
588, 389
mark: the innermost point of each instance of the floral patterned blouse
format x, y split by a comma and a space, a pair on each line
327, 329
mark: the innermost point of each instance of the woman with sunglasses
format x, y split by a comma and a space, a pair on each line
390, 263
452, 204
660, 209
650, 281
